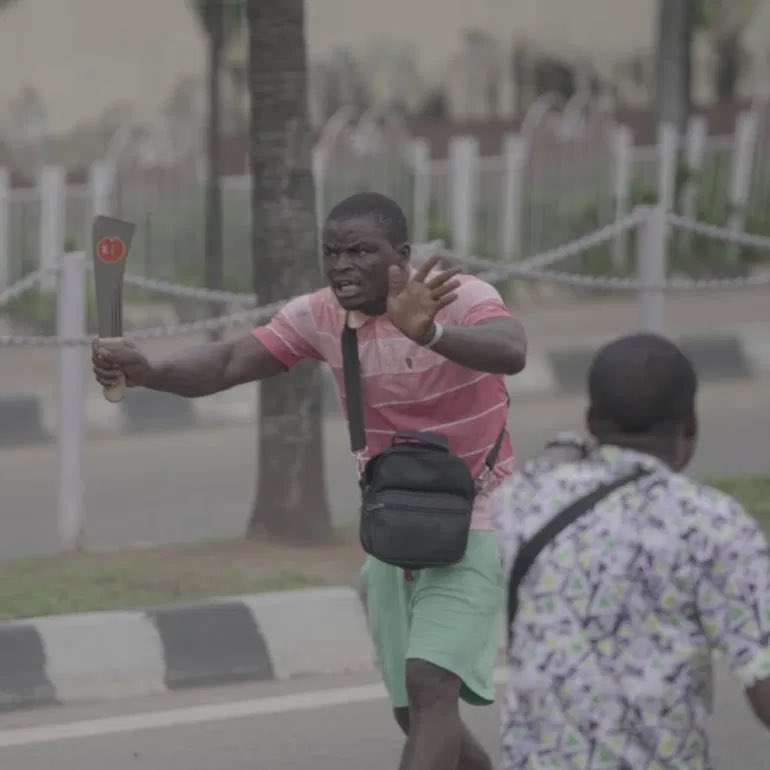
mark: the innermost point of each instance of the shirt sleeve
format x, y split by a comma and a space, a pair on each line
292, 334
510, 503
733, 595
478, 301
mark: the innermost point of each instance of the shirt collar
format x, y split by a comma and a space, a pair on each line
357, 320
623, 459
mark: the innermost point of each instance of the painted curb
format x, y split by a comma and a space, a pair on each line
26, 419
109, 655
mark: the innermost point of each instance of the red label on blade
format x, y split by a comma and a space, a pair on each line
111, 249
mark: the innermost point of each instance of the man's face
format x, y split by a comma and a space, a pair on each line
357, 255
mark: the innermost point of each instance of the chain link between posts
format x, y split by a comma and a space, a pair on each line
532, 269
21, 287
747, 240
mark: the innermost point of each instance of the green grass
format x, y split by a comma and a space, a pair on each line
136, 578
753, 492
84, 582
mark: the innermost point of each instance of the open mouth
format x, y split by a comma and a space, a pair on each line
346, 287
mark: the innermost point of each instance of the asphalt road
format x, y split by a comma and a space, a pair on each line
190, 485
335, 724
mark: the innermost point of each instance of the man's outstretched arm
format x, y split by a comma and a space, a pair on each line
197, 371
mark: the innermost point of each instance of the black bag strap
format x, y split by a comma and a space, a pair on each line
351, 370
495, 450
436, 440
530, 550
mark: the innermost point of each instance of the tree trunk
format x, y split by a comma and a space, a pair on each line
728, 66
291, 495
675, 32
213, 236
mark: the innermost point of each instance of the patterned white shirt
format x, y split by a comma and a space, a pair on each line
610, 663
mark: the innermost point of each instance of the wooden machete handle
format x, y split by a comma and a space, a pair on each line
114, 393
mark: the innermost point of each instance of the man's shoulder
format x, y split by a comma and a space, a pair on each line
471, 284
707, 499
710, 505
317, 306
475, 295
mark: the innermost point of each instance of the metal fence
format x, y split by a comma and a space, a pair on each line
569, 170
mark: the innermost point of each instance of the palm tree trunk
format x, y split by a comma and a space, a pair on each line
213, 236
291, 495
675, 31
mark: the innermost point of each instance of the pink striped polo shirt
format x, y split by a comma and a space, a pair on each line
406, 386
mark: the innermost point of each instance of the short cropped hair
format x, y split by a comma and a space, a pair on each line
385, 210
641, 383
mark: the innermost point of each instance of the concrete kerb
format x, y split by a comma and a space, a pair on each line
110, 655
32, 418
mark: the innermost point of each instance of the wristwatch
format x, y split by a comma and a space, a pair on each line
572, 439
438, 331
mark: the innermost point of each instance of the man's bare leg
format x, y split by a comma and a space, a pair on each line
436, 737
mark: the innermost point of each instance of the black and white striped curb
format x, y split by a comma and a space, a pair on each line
109, 655
29, 418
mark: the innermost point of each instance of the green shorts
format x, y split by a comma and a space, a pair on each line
448, 616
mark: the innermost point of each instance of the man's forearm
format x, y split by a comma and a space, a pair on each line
197, 371
484, 347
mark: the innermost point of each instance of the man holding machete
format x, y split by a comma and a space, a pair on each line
435, 347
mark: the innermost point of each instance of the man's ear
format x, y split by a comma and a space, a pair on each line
691, 426
404, 252
590, 420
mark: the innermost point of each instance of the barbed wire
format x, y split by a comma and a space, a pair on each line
717, 233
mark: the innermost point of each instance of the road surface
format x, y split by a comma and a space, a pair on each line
189, 485
336, 724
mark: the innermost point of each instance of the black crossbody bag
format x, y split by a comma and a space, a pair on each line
532, 547
416, 495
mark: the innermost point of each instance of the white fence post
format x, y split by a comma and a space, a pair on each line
71, 322
651, 268
5, 235
464, 185
621, 150
515, 158
696, 148
52, 222
421, 210
740, 179
668, 145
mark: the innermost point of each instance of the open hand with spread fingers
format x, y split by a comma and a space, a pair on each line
413, 301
